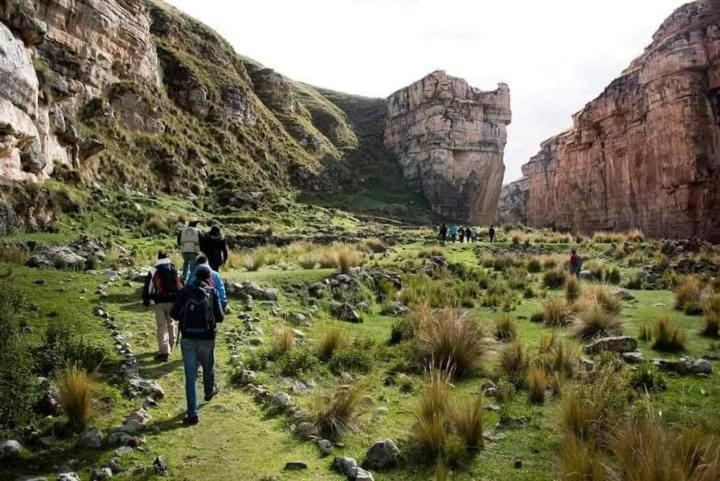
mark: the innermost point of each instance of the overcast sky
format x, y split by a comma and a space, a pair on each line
556, 55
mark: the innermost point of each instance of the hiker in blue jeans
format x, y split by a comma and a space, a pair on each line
198, 310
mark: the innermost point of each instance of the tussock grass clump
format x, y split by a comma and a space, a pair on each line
467, 422
580, 461
330, 341
687, 292
564, 359
668, 338
375, 246
534, 266
14, 255
514, 363
450, 338
602, 295
76, 390
339, 412
554, 279
537, 382
572, 288
283, 342
594, 321
645, 333
430, 429
505, 328
555, 312
711, 313
157, 225
254, 260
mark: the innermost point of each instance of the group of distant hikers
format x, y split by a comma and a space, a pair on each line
196, 300
454, 234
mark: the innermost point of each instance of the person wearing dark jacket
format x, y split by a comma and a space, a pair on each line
162, 285
198, 311
214, 246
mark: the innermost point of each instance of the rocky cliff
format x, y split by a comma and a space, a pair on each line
646, 153
512, 206
450, 138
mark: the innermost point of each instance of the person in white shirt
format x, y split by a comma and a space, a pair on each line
188, 241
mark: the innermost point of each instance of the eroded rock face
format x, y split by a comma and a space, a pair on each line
450, 139
646, 153
512, 206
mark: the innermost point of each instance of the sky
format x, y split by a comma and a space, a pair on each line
556, 55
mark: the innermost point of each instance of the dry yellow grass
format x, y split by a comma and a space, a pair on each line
339, 412
76, 389
283, 341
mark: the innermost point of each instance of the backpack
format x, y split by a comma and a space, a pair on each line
197, 313
166, 283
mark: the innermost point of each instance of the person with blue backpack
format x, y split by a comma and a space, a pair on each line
215, 280
198, 311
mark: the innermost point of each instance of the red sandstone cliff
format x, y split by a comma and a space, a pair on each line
646, 153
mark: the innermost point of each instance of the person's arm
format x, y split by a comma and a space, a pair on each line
225, 251
218, 310
146, 289
179, 235
220, 286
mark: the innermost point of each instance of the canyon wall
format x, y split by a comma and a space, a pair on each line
646, 153
450, 138
512, 206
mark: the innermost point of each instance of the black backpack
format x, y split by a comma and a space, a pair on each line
166, 284
198, 317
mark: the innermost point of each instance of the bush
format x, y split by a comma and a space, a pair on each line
693, 309
338, 413
430, 428
601, 294
572, 288
330, 342
564, 360
635, 283
283, 342
297, 362
505, 328
668, 338
403, 329
537, 317
450, 338
581, 461
594, 321
76, 388
647, 378
537, 382
375, 245
347, 257
467, 422
554, 279
687, 291
555, 312
61, 348
254, 260
645, 333
355, 357
534, 266
613, 276
711, 312
514, 363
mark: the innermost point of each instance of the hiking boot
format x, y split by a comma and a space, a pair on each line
215, 390
162, 357
190, 420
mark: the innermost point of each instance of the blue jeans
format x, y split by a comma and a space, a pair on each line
188, 264
196, 353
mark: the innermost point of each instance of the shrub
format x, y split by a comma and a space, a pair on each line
601, 294
14, 255
580, 461
647, 378
572, 288
297, 362
635, 283
514, 363
254, 260
668, 338
505, 328
537, 317
554, 279
555, 312
76, 388
347, 257
564, 360
156, 225
467, 422
537, 382
451, 338
330, 341
61, 348
402, 329
645, 333
338, 413
283, 342
430, 430
356, 357
711, 312
375, 245
308, 262
693, 309
687, 291
534, 266
613, 276
594, 321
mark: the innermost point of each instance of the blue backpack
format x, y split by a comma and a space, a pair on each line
198, 316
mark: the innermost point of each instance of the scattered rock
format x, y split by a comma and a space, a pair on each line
702, 366
306, 430
325, 447
91, 439
10, 449
633, 357
247, 377
624, 295
145, 387
101, 474
160, 466
518, 463
346, 466
395, 309
362, 475
619, 344
346, 312
295, 466
281, 401
69, 476
382, 454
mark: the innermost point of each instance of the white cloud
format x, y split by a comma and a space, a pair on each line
557, 55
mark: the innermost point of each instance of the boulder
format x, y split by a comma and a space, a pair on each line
91, 439
633, 357
346, 312
382, 454
325, 447
10, 449
281, 401
101, 474
145, 387
618, 344
702, 366
395, 309
69, 476
346, 466
160, 466
624, 295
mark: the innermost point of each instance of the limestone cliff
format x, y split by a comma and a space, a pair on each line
450, 138
646, 153
512, 206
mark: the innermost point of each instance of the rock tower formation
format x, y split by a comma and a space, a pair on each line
450, 139
512, 206
646, 153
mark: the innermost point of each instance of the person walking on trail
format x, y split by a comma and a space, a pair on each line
214, 246
198, 311
443, 232
189, 242
453, 232
215, 280
491, 232
162, 285
468, 234
575, 263
461, 234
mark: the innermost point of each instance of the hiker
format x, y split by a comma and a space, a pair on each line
188, 240
461, 234
474, 233
443, 232
162, 285
199, 311
215, 281
575, 263
214, 246
491, 232
468, 234
453, 232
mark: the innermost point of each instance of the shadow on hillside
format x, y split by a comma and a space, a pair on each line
126, 302
153, 370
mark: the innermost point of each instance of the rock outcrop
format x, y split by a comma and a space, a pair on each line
646, 153
450, 138
512, 206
